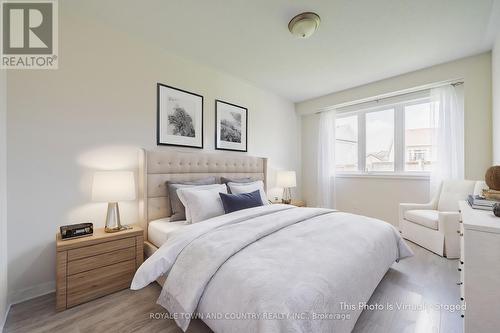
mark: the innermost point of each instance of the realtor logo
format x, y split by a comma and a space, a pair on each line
29, 34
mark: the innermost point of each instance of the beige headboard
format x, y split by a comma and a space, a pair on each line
156, 167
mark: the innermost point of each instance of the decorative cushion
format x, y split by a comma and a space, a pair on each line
202, 204
178, 210
426, 218
234, 202
238, 188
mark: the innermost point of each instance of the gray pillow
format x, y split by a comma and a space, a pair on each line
224, 180
178, 211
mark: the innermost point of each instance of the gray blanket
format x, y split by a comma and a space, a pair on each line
274, 269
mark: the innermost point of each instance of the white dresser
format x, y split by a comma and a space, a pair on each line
479, 268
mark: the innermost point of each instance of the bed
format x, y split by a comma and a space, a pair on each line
272, 268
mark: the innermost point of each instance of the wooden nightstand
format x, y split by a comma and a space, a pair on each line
98, 265
298, 203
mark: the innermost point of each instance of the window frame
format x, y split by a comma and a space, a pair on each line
399, 140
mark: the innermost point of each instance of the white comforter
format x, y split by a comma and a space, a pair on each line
274, 268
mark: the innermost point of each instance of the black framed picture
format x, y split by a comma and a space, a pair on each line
179, 117
231, 126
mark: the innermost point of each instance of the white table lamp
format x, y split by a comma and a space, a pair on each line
111, 187
286, 180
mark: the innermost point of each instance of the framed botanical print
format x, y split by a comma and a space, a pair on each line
231, 126
179, 117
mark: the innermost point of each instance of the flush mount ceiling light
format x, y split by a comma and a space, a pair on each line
304, 24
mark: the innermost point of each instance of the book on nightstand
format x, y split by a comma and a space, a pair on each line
478, 202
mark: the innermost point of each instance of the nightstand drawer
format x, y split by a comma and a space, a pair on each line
89, 285
92, 250
106, 259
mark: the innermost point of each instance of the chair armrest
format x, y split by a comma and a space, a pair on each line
448, 222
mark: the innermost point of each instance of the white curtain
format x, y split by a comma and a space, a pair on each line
326, 161
448, 113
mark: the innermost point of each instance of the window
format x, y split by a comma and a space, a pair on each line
380, 140
346, 143
419, 133
395, 136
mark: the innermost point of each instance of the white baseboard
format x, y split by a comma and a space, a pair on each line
22, 295
18, 296
4, 319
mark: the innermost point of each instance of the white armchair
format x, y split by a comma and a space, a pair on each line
434, 225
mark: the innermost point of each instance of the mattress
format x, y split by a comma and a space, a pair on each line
159, 230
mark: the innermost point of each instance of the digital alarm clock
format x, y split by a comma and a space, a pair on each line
76, 230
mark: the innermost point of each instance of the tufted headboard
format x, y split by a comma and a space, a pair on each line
157, 167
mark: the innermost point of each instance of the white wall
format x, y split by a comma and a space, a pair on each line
94, 112
495, 63
380, 197
3, 198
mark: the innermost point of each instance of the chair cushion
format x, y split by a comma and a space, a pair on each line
426, 218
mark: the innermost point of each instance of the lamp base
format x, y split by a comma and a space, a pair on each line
123, 227
113, 223
287, 196
106, 229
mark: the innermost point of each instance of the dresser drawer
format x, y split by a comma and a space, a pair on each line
462, 246
101, 260
89, 285
92, 250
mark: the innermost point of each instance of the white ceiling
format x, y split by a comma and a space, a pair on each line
359, 41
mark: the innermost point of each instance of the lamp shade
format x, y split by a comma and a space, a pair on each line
286, 179
113, 186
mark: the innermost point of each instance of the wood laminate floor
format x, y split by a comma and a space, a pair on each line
423, 279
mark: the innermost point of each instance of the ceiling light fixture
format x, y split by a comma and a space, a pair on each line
304, 24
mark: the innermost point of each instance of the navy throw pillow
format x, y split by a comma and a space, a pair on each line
234, 202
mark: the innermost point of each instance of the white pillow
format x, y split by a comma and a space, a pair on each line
238, 188
187, 215
202, 203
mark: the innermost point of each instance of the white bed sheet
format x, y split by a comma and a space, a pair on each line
159, 230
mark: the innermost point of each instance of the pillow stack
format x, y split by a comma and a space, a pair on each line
177, 208
199, 200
